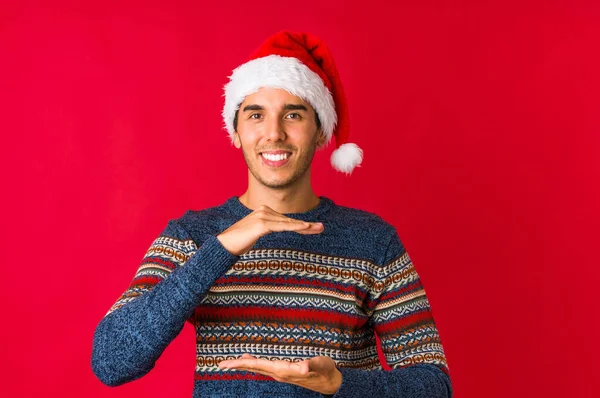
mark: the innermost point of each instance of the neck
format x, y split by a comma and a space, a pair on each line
297, 198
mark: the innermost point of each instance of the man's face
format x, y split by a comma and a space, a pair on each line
278, 134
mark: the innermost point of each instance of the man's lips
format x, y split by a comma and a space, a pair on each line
275, 163
274, 152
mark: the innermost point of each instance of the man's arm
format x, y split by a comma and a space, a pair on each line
402, 318
170, 282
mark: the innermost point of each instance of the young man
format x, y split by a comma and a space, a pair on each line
285, 289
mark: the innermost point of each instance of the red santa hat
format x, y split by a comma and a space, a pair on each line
301, 64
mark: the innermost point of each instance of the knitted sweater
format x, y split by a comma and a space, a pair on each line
291, 297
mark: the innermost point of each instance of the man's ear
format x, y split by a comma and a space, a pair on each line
236, 140
321, 140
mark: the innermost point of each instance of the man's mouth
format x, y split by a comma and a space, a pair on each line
275, 158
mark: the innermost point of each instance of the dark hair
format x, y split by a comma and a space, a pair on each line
235, 120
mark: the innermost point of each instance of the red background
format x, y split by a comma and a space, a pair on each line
480, 127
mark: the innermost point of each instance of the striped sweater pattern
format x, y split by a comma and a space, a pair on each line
291, 297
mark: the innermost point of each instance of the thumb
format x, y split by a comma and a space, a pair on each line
319, 365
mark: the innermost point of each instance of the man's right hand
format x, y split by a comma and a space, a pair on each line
241, 236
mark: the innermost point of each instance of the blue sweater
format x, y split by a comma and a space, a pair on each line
291, 297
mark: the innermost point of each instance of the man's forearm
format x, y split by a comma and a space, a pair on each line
128, 341
418, 381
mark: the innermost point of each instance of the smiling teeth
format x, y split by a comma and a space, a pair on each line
275, 158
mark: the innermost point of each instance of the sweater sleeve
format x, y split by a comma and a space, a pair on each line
174, 275
402, 318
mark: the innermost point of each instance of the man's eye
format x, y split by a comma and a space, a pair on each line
296, 115
255, 114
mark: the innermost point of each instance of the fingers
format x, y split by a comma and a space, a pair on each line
300, 227
278, 223
313, 228
296, 225
272, 221
280, 370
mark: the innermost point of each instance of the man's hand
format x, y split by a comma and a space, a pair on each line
241, 236
317, 374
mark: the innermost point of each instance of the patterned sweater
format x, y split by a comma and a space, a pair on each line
291, 297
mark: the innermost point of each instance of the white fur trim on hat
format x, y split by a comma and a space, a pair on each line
346, 157
286, 73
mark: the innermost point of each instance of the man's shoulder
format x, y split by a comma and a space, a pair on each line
352, 216
215, 211
360, 233
209, 220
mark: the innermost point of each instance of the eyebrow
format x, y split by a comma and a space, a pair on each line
286, 107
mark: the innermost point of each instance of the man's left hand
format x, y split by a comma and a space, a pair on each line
317, 374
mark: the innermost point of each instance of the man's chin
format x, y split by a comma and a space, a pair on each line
277, 184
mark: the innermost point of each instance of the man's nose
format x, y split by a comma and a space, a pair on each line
274, 129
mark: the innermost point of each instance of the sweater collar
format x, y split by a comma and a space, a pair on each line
236, 207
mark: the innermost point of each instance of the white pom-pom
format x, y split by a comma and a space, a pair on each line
346, 157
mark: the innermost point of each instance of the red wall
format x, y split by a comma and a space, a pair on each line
480, 125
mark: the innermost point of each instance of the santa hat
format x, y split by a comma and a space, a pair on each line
302, 65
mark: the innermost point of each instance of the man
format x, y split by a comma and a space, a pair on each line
285, 289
